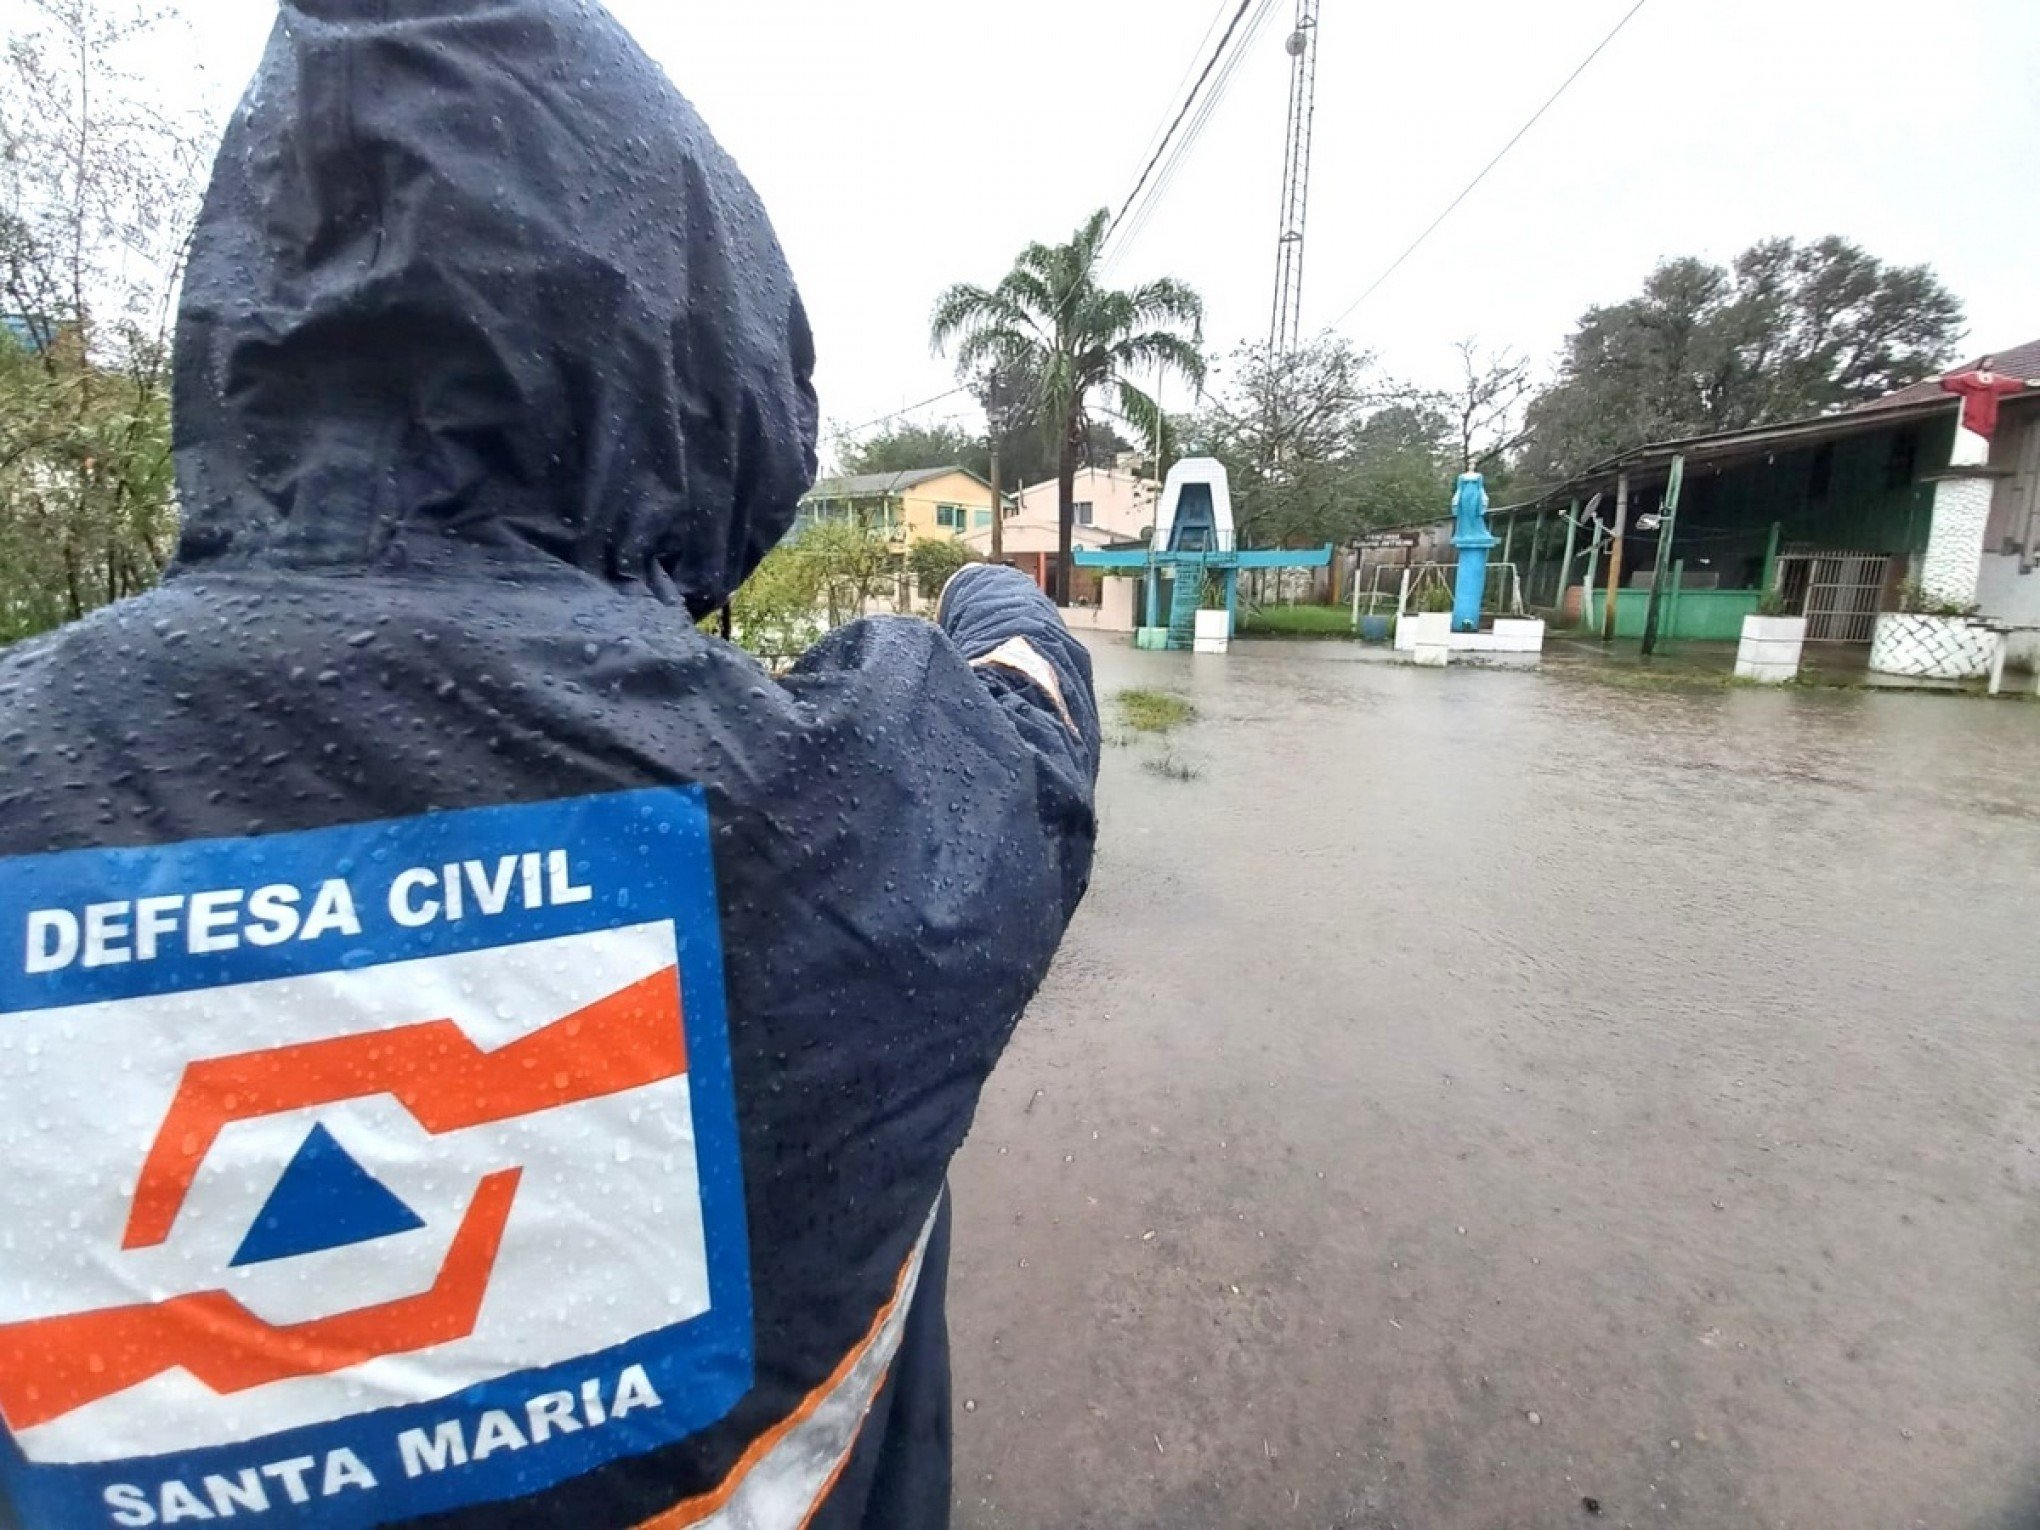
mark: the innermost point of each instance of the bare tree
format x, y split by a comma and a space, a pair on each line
1487, 407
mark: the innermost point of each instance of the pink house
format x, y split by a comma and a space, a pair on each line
1110, 500
1111, 505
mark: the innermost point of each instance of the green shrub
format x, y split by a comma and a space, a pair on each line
1914, 599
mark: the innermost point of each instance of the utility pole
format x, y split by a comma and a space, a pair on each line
1615, 556
1572, 532
1593, 579
998, 507
1666, 528
992, 434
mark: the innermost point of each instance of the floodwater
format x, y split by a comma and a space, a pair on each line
1484, 1099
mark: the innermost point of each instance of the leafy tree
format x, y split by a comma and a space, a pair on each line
1321, 448
849, 564
1402, 466
825, 574
85, 481
1788, 330
774, 614
1012, 398
1085, 343
100, 189
933, 561
1012, 402
900, 448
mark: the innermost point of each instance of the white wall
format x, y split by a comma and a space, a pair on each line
1114, 613
2010, 596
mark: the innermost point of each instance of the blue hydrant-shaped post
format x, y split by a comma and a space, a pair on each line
1471, 536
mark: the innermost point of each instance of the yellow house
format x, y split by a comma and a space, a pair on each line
909, 506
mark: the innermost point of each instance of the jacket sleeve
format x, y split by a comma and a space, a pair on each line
1039, 676
1003, 680
1008, 632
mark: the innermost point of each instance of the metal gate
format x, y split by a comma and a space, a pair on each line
1840, 593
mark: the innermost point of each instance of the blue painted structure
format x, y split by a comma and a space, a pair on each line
1192, 543
33, 333
1471, 536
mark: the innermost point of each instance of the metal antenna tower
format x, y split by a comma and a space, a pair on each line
1285, 326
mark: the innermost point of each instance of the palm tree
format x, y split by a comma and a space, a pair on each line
1049, 318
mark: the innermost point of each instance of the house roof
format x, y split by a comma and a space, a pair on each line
2021, 361
1653, 460
1921, 401
879, 485
1049, 485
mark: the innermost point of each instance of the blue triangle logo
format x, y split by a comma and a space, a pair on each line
324, 1200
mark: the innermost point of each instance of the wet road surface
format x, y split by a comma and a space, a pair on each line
1477, 1093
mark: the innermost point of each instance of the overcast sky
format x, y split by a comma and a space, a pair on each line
904, 144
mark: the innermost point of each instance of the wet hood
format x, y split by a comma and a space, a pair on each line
473, 272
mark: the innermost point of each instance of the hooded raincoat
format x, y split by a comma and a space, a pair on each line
473, 1049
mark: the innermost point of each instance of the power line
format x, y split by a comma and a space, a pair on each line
858, 430
1158, 137
1185, 146
1182, 111
1194, 133
1176, 149
1453, 206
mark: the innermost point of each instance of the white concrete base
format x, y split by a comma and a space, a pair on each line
1511, 634
1425, 628
1214, 632
1933, 647
1434, 628
1432, 655
1770, 649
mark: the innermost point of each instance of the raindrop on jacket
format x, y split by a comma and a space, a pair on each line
490, 378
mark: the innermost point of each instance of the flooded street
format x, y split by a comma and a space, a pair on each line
1484, 1099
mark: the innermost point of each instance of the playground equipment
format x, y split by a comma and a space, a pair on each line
1195, 549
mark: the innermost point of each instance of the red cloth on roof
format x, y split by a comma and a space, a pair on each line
1981, 394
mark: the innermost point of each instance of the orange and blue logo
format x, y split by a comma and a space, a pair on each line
368, 1172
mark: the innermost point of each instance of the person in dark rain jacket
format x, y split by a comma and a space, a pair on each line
474, 1050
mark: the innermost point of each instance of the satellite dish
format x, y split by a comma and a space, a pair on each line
1297, 43
1649, 522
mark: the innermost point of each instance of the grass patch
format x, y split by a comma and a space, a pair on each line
1154, 711
1169, 768
1298, 621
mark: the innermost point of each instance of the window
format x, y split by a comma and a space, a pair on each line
980, 519
1012, 512
1083, 512
949, 517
